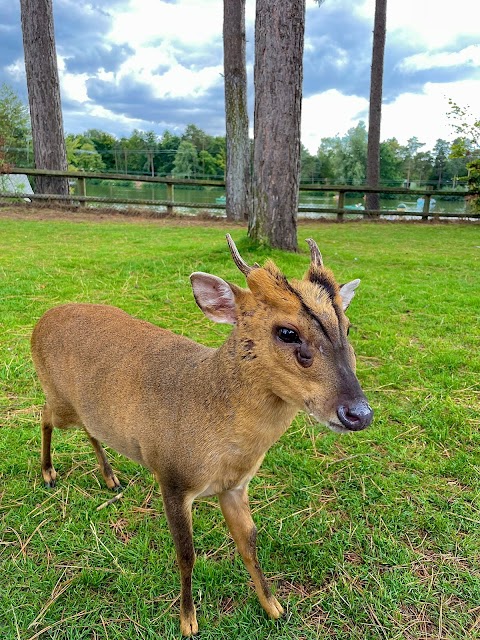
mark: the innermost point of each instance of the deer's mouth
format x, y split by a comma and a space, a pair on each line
337, 427
333, 425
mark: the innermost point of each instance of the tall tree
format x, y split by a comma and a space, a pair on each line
44, 93
104, 144
422, 167
186, 160
197, 137
238, 172
375, 112
278, 74
167, 150
391, 163
440, 153
309, 167
409, 153
345, 159
356, 149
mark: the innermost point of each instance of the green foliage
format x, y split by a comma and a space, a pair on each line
373, 535
104, 144
311, 167
467, 127
167, 148
15, 128
342, 160
82, 154
197, 137
186, 160
207, 165
473, 182
346, 157
391, 164
467, 147
145, 153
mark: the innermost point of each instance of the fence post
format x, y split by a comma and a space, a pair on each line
82, 189
170, 194
340, 204
426, 208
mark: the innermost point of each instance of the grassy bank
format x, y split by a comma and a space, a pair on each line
373, 535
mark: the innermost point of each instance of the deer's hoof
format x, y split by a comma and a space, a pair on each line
189, 625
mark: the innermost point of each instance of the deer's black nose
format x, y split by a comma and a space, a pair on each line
355, 416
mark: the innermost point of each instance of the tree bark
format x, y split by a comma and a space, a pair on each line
44, 93
279, 36
238, 170
375, 114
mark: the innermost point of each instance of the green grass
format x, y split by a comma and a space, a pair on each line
369, 536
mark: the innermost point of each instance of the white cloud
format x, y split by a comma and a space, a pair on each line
428, 23
425, 114
16, 70
329, 114
159, 32
165, 75
430, 60
73, 85
98, 111
145, 22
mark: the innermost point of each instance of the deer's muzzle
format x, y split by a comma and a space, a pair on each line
355, 416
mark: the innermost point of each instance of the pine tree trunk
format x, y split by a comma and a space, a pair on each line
375, 115
238, 172
44, 93
279, 34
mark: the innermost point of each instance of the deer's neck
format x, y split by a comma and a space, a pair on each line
245, 394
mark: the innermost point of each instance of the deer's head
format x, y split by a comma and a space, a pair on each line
291, 336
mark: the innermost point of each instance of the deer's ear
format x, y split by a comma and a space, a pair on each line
215, 297
347, 291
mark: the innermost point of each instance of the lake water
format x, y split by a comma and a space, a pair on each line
210, 195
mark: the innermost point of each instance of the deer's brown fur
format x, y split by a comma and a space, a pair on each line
202, 419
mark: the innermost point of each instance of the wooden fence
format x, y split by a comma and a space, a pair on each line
170, 203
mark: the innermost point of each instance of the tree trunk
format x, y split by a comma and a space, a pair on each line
279, 34
44, 93
375, 115
238, 172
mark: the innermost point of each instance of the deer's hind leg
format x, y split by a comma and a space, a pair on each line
110, 478
63, 416
55, 414
48, 472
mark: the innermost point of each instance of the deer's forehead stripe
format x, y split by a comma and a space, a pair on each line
317, 296
320, 303
324, 279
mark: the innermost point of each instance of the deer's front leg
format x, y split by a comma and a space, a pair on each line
236, 510
179, 515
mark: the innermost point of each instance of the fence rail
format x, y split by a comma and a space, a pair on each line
170, 203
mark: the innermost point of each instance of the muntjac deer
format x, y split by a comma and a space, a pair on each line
202, 419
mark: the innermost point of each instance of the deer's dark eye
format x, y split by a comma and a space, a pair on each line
288, 335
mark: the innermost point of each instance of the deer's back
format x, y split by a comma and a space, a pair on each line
86, 334
124, 378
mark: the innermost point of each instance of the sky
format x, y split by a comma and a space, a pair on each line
157, 65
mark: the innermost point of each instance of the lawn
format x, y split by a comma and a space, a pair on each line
373, 535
